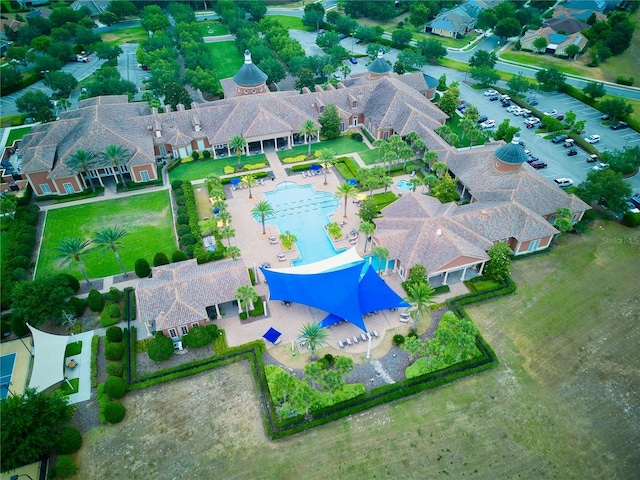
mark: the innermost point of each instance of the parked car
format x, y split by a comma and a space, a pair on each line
490, 92
342, 36
592, 158
572, 152
619, 125
538, 164
605, 117
479, 30
569, 142
532, 158
531, 101
531, 125
632, 207
600, 167
513, 108
560, 117
563, 182
559, 139
592, 139
635, 199
493, 98
488, 124
461, 107
550, 113
506, 104
353, 60
483, 118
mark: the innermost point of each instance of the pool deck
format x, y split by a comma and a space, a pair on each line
22, 363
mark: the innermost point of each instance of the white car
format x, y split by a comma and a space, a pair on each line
488, 124
490, 92
563, 182
592, 139
550, 113
513, 108
600, 167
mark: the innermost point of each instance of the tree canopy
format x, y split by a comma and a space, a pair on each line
499, 267
40, 300
607, 189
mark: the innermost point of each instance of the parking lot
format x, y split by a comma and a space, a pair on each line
555, 155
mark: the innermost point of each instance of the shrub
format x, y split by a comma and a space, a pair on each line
183, 219
19, 274
631, 219
356, 136
197, 337
25, 251
114, 369
188, 250
160, 259
21, 262
114, 334
329, 358
114, 311
195, 156
182, 211
180, 201
95, 300
69, 441
114, 294
624, 81
188, 239
206, 154
64, 467
115, 387
176, 184
160, 348
142, 268
113, 351
323, 362
183, 230
179, 256
114, 412
228, 170
27, 239
78, 305
398, 339
213, 330
72, 282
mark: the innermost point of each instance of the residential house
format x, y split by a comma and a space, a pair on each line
557, 42
454, 23
563, 12
96, 7
182, 295
509, 201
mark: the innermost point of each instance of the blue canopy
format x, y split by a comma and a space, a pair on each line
272, 335
315, 166
235, 180
342, 292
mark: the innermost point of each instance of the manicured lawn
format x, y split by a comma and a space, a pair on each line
202, 168
17, 134
561, 404
227, 59
126, 35
211, 29
147, 218
291, 23
369, 156
454, 122
340, 145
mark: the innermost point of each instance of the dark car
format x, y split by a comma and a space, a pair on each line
635, 199
559, 139
494, 98
531, 125
482, 118
532, 159
619, 125
572, 152
353, 60
342, 36
560, 117
506, 104
462, 106
538, 164
531, 101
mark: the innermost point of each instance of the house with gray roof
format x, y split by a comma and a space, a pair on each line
456, 22
557, 42
509, 201
182, 295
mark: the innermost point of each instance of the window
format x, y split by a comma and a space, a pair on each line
385, 136
354, 104
533, 246
184, 329
253, 91
173, 332
68, 188
163, 150
195, 325
200, 143
45, 188
158, 133
343, 127
246, 91
144, 175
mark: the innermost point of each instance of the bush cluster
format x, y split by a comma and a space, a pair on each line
64, 467
254, 166
114, 334
78, 305
69, 441
114, 387
296, 159
142, 268
114, 412
110, 315
114, 351
197, 337
160, 348
114, 369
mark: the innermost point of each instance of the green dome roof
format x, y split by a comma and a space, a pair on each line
511, 152
249, 75
379, 65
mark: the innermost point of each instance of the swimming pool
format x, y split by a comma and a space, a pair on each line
7, 363
304, 212
405, 185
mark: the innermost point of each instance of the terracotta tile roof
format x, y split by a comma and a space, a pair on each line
178, 293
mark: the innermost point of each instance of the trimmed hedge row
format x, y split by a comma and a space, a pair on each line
94, 360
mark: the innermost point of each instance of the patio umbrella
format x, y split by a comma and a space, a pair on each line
315, 166
235, 181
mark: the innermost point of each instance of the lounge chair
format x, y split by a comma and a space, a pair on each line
364, 337
355, 339
340, 343
375, 333
353, 241
349, 342
282, 257
273, 240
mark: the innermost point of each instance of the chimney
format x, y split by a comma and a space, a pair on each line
166, 108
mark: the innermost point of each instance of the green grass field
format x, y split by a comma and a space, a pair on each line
291, 23
340, 145
147, 217
226, 58
126, 35
202, 168
17, 134
562, 404
211, 29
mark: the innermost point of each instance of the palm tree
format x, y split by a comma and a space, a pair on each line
308, 130
228, 232
367, 228
233, 252
64, 103
262, 211
224, 216
466, 124
315, 336
246, 295
288, 239
416, 182
238, 144
430, 157
249, 180
440, 168
84, 161
219, 205
421, 295
429, 181
334, 230
327, 159
70, 250
345, 192
109, 238
406, 153
115, 156
383, 254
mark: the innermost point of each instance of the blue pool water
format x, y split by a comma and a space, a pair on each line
304, 212
6, 372
405, 185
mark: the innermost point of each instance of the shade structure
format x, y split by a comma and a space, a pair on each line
340, 290
235, 180
48, 363
336, 262
315, 166
272, 335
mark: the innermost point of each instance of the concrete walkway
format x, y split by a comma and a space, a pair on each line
82, 370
